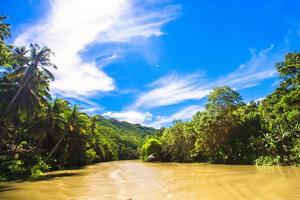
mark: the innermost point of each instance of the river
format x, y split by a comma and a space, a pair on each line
138, 181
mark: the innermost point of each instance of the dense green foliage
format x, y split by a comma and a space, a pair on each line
231, 131
152, 147
38, 133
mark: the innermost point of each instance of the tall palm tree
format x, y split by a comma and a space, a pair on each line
77, 136
4, 28
35, 71
93, 124
51, 121
5, 50
28, 84
76, 125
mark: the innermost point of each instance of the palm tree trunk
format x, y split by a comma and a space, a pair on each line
15, 97
39, 146
3, 134
55, 147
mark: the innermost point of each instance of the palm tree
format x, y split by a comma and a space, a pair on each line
28, 84
93, 124
77, 136
35, 70
75, 126
4, 28
5, 50
51, 121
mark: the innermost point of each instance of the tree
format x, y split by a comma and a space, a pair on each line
77, 127
51, 122
33, 75
6, 58
223, 98
151, 146
281, 111
29, 84
216, 126
178, 142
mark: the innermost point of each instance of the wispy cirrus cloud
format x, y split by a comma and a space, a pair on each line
259, 67
183, 114
71, 26
174, 88
92, 110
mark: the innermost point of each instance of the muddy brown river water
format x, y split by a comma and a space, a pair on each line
138, 181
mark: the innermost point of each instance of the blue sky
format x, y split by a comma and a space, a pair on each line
153, 61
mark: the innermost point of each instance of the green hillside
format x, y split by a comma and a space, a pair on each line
123, 127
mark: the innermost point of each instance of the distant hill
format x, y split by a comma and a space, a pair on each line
124, 128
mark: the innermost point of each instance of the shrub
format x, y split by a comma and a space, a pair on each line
38, 168
267, 160
90, 156
151, 146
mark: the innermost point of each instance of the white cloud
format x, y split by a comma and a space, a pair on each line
72, 25
259, 99
173, 89
187, 112
148, 119
258, 68
130, 116
92, 110
145, 25
184, 114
